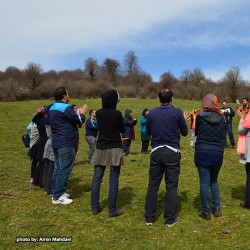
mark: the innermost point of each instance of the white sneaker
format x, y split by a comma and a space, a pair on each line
66, 195
62, 200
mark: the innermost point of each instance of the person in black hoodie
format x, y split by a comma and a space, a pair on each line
108, 152
208, 158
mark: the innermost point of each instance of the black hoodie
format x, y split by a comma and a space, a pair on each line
110, 122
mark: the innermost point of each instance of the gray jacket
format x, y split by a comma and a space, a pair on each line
245, 131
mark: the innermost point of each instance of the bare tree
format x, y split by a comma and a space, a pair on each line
91, 67
232, 81
198, 77
110, 67
167, 80
34, 73
186, 77
130, 62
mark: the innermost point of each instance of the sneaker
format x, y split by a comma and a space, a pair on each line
116, 213
149, 223
216, 212
62, 200
244, 204
205, 216
66, 195
176, 220
97, 211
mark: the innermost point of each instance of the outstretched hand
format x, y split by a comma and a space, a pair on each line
83, 109
239, 114
187, 115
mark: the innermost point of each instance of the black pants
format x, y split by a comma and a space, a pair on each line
47, 176
144, 146
163, 161
33, 168
38, 175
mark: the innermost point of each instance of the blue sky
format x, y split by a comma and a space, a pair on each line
166, 35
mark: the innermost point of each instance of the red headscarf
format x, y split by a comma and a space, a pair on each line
210, 103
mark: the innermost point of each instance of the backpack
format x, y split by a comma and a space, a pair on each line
26, 139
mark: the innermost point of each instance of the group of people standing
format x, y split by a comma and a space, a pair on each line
109, 136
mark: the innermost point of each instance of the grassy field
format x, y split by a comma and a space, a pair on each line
27, 212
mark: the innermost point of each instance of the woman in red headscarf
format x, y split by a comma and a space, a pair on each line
209, 150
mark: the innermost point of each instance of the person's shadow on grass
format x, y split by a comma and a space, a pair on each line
77, 188
125, 196
238, 192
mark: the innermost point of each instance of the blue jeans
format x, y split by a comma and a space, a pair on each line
229, 131
113, 187
248, 183
208, 164
64, 161
163, 161
126, 146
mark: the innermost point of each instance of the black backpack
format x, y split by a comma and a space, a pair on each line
26, 140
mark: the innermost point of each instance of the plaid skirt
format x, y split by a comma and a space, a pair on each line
108, 157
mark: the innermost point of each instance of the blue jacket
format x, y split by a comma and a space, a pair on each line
165, 123
210, 131
91, 127
128, 125
64, 123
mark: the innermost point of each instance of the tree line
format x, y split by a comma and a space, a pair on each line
127, 77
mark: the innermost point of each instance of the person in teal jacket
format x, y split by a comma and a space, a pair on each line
145, 138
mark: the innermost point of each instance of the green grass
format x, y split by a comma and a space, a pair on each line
29, 213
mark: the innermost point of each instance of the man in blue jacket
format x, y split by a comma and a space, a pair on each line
165, 123
64, 123
91, 133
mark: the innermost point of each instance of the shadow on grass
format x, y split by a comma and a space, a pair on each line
182, 198
238, 192
77, 188
197, 203
125, 196
80, 163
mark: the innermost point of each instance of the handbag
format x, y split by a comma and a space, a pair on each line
26, 139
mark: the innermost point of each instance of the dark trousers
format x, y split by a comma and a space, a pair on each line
144, 146
33, 167
47, 175
126, 146
248, 183
163, 161
229, 131
113, 187
38, 175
